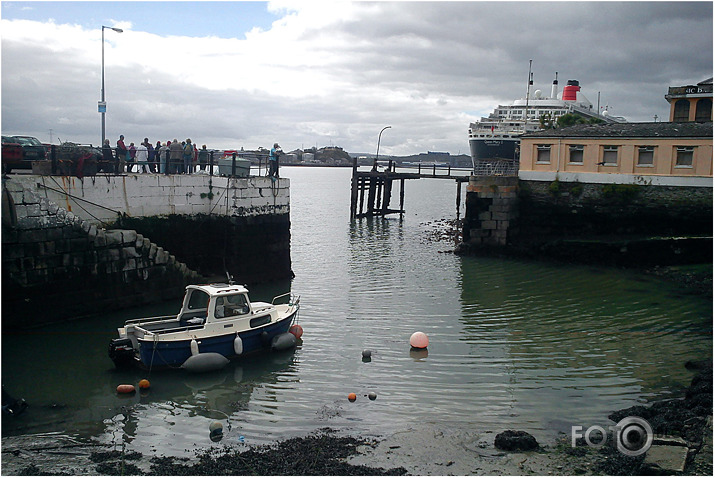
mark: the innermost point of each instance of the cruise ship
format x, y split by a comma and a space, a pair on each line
497, 136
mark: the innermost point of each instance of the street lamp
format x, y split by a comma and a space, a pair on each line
102, 103
378, 143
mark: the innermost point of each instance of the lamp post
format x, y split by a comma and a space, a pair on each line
378, 144
102, 103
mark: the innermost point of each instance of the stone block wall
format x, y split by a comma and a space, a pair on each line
56, 265
491, 210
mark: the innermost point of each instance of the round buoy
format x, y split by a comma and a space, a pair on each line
352, 397
366, 353
124, 388
419, 340
296, 330
144, 384
216, 427
372, 395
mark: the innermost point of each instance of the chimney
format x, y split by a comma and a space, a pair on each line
570, 90
555, 86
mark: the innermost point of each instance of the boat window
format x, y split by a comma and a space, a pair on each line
258, 321
231, 305
198, 300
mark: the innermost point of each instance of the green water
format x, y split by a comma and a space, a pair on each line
513, 344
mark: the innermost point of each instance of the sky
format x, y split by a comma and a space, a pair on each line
332, 73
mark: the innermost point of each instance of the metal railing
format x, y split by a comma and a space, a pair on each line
497, 167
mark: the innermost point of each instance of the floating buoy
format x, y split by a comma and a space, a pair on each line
144, 384
238, 345
296, 330
419, 340
125, 388
216, 428
352, 397
283, 341
372, 395
205, 362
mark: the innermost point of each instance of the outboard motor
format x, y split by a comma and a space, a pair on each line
121, 352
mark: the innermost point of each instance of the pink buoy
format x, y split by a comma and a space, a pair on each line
296, 330
419, 340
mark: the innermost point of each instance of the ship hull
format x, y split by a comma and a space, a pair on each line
502, 148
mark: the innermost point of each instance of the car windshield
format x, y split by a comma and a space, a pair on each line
28, 141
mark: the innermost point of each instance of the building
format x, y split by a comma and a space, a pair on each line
691, 102
666, 154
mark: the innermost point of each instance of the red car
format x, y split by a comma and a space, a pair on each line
18, 152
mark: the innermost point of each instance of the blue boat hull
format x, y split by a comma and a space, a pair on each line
174, 353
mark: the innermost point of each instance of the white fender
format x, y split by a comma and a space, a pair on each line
194, 347
238, 345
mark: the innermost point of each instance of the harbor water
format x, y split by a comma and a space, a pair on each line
522, 345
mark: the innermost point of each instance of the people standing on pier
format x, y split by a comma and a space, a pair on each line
131, 154
164, 159
157, 158
188, 156
121, 154
273, 160
142, 158
175, 153
203, 157
151, 154
108, 157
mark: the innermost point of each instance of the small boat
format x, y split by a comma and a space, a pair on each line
217, 322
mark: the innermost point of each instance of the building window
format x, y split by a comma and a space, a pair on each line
543, 153
610, 156
645, 155
576, 153
704, 110
684, 156
682, 111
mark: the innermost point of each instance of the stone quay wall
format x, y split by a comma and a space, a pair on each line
76, 246
617, 224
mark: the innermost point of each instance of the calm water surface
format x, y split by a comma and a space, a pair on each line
521, 345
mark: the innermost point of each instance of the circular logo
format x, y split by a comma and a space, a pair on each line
634, 436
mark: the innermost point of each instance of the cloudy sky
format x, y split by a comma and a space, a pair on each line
320, 73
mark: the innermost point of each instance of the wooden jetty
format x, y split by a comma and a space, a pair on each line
378, 185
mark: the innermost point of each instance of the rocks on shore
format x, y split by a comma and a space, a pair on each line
512, 440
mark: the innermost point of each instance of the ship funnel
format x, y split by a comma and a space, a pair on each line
555, 86
570, 90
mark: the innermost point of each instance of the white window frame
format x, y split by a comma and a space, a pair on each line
541, 148
641, 151
686, 151
609, 149
575, 148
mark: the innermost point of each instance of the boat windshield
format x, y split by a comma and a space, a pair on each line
231, 305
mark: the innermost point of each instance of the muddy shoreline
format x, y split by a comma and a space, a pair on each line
428, 449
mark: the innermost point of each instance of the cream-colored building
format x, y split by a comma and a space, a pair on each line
666, 154
691, 102
676, 153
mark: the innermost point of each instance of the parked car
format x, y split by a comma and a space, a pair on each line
18, 152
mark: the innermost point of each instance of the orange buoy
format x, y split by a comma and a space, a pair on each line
144, 384
352, 397
126, 388
296, 330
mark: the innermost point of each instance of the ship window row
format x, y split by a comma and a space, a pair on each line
609, 155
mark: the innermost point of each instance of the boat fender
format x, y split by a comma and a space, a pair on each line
205, 362
296, 330
265, 338
124, 388
283, 341
194, 347
238, 345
